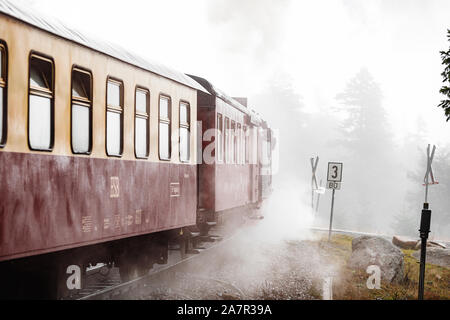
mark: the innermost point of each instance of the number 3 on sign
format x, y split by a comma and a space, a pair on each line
335, 172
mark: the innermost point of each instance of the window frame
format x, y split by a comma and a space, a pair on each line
120, 110
142, 116
233, 142
247, 145
83, 102
186, 125
227, 140
165, 121
42, 93
4, 85
239, 143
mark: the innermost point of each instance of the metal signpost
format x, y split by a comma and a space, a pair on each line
334, 182
319, 191
425, 221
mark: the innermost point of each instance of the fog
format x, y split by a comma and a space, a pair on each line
346, 80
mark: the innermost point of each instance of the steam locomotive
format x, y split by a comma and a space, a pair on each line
108, 158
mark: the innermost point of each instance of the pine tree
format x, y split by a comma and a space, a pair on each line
445, 90
369, 169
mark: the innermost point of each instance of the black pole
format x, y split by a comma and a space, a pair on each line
331, 216
425, 223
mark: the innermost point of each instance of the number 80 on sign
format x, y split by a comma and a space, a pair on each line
333, 185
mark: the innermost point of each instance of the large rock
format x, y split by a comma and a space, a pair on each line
405, 243
370, 250
431, 244
437, 256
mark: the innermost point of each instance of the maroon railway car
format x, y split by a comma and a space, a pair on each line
97, 155
236, 173
100, 159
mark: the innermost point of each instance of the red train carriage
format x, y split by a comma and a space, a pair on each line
235, 174
98, 151
98, 157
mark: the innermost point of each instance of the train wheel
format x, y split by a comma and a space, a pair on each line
133, 267
127, 272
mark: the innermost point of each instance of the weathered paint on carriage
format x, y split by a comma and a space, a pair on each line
52, 203
233, 185
224, 186
22, 39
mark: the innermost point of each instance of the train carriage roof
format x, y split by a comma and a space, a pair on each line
61, 30
254, 117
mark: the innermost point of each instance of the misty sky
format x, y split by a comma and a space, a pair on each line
317, 46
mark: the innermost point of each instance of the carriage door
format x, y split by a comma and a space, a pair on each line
254, 165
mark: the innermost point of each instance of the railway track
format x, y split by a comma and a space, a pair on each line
357, 233
351, 233
105, 284
108, 286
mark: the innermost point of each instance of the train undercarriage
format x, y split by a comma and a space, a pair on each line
62, 275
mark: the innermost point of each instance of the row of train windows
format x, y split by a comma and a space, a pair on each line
41, 113
233, 142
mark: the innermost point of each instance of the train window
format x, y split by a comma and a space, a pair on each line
142, 127
41, 104
233, 142
185, 132
219, 145
239, 143
114, 118
81, 111
227, 140
246, 144
3, 103
165, 131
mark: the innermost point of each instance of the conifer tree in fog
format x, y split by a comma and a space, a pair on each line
283, 108
369, 167
445, 90
366, 118
302, 135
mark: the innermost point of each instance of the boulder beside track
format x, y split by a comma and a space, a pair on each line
436, 256
372, 250
405, 243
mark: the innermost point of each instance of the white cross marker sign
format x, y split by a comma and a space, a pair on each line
314, 165
314, 169
429, 175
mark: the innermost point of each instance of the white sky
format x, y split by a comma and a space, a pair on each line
241, 45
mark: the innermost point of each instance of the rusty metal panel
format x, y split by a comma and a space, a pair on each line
50, 203
162, 190
175, 194
186, 203
232, 185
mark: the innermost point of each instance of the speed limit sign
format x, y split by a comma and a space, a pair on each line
335, 172
334, 183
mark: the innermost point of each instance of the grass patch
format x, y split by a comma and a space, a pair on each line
351, 285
